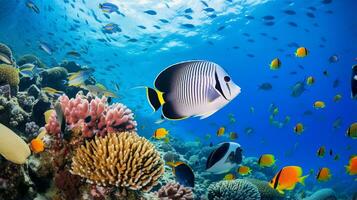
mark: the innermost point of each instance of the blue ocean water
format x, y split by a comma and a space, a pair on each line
238, 35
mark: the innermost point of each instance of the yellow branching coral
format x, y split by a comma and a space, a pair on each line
9, 75
125, 160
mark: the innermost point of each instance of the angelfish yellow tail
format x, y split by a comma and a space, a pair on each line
155, 98
302, 179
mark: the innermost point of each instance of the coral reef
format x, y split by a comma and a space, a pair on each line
6, 55
125, 160
54, 78
323, 194
12, 147
266, 192
175, 191
68, 183
11, 113
9, 75
234, 190
13, 184
93, 116
29, 58
31, 128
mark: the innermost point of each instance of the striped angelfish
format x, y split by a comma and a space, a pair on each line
192, 88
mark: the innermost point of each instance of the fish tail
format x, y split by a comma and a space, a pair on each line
155, 98
302, 179
348, 169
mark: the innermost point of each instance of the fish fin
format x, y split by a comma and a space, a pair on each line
155, 98
169, 112
212, 94
204, 116
302, 179
281, 191
348, 169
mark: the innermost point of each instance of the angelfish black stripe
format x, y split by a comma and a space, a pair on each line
218, 86
277, 179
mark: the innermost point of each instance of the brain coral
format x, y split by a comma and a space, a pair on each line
9, 75
124, 160
238, 189
266, 192
175, 191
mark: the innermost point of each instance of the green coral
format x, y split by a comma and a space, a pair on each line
9, 75
266, 192
238, 189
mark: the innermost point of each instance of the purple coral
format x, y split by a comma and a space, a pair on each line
174, 191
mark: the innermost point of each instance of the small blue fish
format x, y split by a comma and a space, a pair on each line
46, 48
111, 28
108, 7
30, 4
150, 12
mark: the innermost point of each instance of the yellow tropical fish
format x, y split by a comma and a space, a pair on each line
337, 98
52, 91
266, 160
299, 128
160, 133
244, 170
229, 177
319, 105
275, 64
310, 80
301, 52
287, 178
220, 131
352, 131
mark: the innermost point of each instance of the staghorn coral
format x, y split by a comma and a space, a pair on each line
93, 116
9, 75
174, 191
6, 55
238, 189
124, 160
266, 192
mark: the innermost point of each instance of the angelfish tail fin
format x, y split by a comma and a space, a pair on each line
155, 98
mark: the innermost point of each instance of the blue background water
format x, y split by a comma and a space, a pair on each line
138, 63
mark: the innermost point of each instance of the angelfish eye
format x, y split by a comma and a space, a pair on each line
227, 78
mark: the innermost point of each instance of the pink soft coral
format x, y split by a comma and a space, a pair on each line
92, 115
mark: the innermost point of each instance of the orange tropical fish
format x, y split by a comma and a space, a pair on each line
160, 133
351, 168
37, 145
244, 170
301, 52
233, 135
287, 178
323, 174
266, 160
